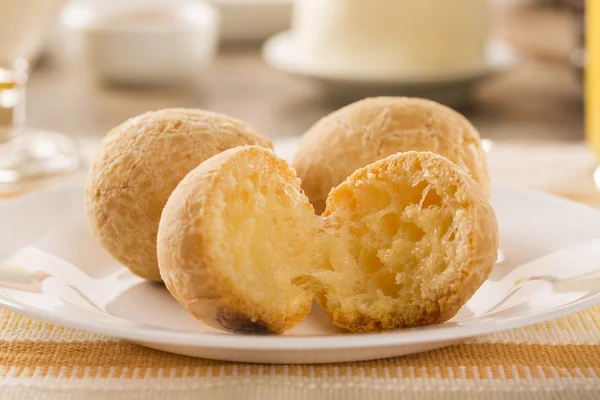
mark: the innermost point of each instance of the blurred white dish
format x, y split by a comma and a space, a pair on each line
53, 269
388, 38
450, 89
145, 42
253, 20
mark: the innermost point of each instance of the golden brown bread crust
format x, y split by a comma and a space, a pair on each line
137, 167
191, 259
470, 265
374, 128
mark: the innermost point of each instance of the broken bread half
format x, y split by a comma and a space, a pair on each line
410, 240
405, 241
234, 237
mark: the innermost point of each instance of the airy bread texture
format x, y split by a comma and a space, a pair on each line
374, 128
404, 242
413, 238
137, 167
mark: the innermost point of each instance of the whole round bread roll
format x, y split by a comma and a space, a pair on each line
138, 165
405, 241
374, 128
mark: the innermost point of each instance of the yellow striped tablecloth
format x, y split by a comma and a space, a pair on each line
554, 360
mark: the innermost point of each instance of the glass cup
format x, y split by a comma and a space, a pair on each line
26, 153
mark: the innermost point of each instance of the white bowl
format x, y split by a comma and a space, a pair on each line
145, 42
253, 20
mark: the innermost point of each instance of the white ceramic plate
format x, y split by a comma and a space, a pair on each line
452, 90
54, 270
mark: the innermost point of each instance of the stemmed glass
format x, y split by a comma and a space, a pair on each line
26, 153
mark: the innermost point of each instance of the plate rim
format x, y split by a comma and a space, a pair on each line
282, 342
151, 334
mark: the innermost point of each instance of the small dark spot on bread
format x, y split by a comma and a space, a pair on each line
158, 284
240, 323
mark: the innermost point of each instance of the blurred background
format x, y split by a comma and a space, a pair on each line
513, 67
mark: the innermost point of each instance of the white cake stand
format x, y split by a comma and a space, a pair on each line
451, 89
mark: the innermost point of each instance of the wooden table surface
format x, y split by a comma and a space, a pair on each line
539, 99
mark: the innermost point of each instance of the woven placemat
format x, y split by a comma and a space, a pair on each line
559, 359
